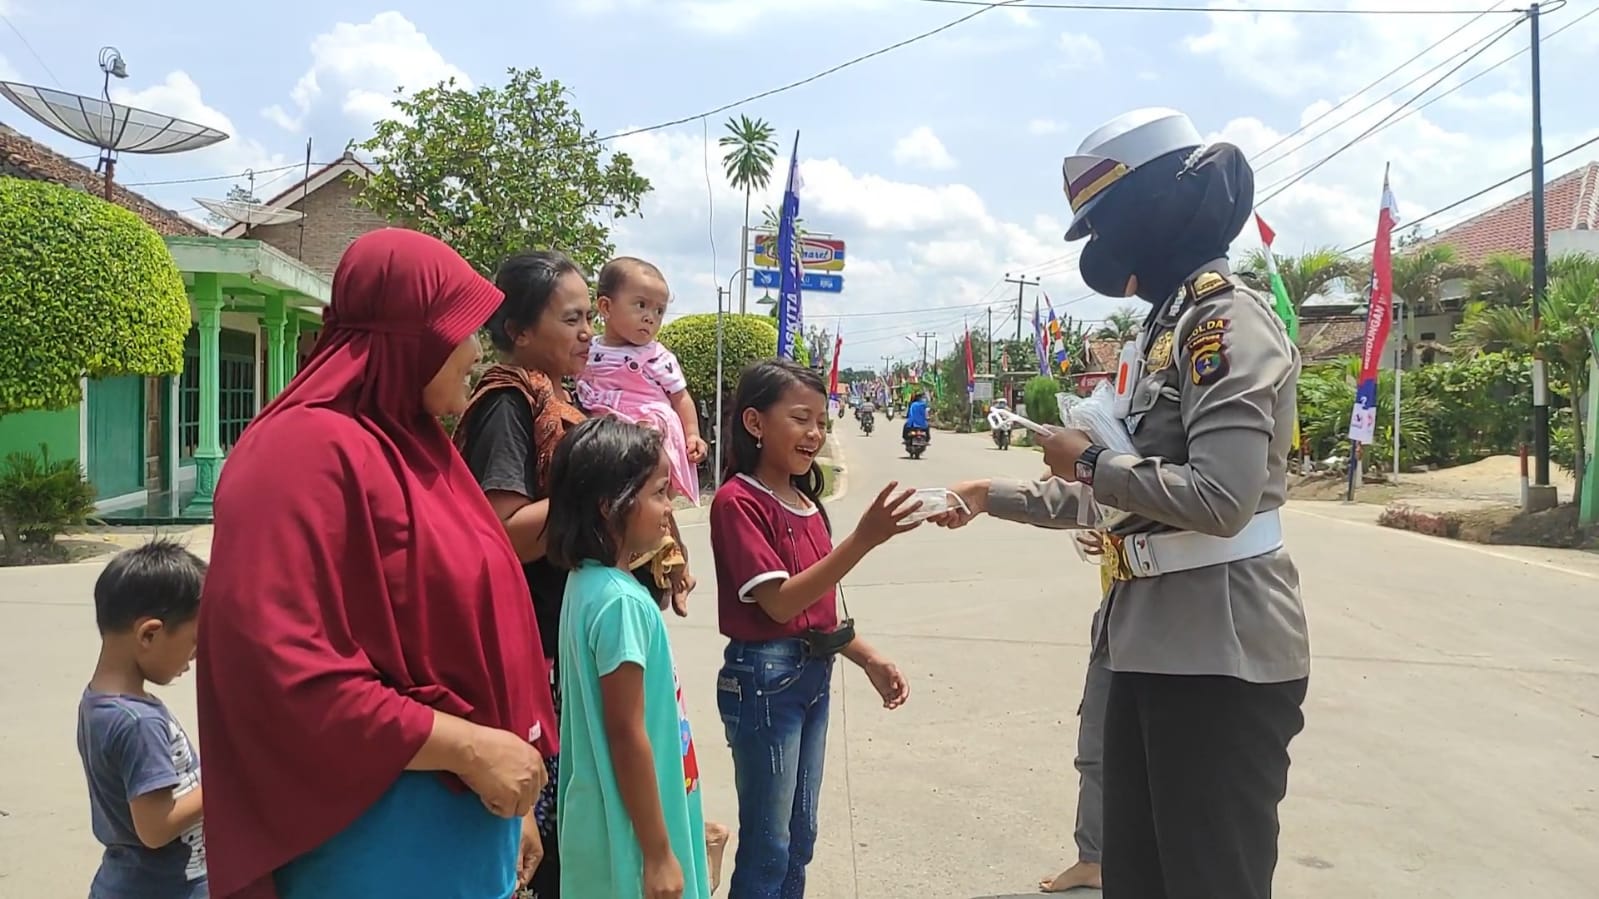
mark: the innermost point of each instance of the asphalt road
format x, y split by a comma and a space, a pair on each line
1451, 750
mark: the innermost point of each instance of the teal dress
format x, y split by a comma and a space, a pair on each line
420, 840
608, 620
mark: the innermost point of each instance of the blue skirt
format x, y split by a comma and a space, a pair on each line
420, 839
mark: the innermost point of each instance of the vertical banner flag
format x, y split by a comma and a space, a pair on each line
971, 370
1279, 290
1279, 293
1379, 312
1038, 341
790, 323
838, 347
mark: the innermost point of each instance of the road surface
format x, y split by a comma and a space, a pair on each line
1451, 750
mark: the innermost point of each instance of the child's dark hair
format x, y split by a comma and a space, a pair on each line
596, 476
616, 273
760, 386
160, 579
527, 279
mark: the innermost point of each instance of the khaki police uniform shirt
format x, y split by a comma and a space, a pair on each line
1212, 418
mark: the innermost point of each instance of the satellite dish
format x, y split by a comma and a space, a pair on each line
250, 214
109, 126
112, 127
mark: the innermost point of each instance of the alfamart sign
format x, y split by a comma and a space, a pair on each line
817, 254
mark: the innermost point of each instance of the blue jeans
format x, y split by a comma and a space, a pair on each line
773, 701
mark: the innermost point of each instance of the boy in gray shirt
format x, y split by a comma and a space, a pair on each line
143, 773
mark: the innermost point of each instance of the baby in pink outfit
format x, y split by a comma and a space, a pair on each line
630, 375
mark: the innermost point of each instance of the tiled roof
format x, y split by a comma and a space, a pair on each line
1104, 354
1331, 336
23, 157
1570, 202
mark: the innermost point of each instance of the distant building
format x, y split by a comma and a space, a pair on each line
152, 447
332, 220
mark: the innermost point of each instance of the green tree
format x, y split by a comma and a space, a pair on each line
496, 170
1327, 395
86, 290
745, 339
1123, 324
751, 150
236, 194
1305, 275
1564, 339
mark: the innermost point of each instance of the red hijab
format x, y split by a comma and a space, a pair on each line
359, 578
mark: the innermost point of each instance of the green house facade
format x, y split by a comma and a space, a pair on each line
154, 447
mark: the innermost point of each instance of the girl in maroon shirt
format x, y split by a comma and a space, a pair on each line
777, 574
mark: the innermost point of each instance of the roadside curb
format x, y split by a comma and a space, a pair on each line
835, 461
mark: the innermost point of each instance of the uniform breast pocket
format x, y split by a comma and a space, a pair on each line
1146, 393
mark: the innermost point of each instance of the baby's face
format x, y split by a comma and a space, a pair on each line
635, 314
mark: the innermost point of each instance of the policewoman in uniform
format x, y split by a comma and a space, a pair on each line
1203, 629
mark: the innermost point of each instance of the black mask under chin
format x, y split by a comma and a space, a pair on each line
1165, 220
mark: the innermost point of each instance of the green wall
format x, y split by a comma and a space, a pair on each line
24, 431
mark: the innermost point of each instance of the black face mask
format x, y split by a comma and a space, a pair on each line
1166, 220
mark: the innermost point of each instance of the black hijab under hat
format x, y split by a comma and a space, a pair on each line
1166, 219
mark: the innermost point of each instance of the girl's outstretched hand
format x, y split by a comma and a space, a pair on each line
885, 517
974, 494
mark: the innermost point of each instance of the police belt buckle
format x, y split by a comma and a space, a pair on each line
1116, 551
1151, 555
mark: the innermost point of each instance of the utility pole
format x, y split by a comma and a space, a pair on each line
744, 259
1540, 270
716, 426
924, 337
991, 341
1021, 282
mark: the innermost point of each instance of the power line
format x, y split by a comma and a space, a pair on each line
1300, 176
1281, 10
1487, 190
1383, 126
807, 80
35, 53
1392, 72
1373, 104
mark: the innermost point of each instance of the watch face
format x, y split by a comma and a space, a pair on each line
1085, 472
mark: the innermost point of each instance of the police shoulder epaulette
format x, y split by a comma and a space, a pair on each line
1208, 285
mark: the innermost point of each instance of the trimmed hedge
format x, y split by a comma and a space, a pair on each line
745, 339
87, 289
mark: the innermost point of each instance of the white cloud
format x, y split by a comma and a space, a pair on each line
363, 64
914, 250
7, 73
1079, 51
178, 95
733, 17
922, 149
1291, 56
1046, 126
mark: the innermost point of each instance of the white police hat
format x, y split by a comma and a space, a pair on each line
1115, 149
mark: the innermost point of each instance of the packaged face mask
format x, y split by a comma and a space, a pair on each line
935, 501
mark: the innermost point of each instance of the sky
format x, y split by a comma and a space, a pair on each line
938, 163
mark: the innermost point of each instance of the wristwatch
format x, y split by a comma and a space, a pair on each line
1085, 464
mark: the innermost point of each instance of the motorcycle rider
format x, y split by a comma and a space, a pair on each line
998, 424
916, 417
864, 413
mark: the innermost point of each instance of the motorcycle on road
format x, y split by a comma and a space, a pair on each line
916, 441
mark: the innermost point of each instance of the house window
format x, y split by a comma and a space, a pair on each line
235, 392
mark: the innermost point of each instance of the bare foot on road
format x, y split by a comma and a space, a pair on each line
1083, 875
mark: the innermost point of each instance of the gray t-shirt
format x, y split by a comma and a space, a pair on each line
132, 746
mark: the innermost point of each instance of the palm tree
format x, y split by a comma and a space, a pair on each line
1122, 325
751, 150
1504, 278
1305, 275
1568, 321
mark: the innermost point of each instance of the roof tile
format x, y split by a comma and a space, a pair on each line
23, 157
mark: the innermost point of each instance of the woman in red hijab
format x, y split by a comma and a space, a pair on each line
372, 698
